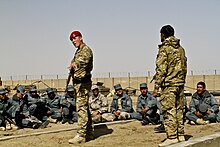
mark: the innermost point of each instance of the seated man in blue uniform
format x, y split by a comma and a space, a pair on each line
69, 106
203, 108
5, 104
53, 103
146, 109
19, 111
121, 106
36, 104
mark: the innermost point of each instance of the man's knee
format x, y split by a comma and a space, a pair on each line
97, 118
108, 117
137, 115
124, 115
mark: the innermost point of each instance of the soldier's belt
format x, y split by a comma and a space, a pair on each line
85, 79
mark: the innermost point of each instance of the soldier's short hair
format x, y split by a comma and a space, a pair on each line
201, 83
167, 30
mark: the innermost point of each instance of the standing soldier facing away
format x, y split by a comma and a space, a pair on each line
82, 64
171, 69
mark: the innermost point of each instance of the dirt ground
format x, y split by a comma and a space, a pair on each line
124, 134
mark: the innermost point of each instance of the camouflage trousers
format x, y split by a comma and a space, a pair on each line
84, 117
172, 104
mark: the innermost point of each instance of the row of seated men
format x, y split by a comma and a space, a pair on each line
31, 110
203, 107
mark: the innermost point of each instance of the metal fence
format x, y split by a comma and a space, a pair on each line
103, 75
126, 79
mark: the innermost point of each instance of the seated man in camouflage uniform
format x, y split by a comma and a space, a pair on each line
203, 106
53, 102
36, 104
121, 105
69, 106
98, 104
19, 111
5, 104
146, 109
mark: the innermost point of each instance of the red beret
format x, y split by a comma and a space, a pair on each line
75, 33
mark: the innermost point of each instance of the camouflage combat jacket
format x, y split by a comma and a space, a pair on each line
171, 64
146, 101
123, 104
207, 98
99, 103
83, 59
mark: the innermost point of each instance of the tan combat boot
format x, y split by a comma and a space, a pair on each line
168, 142
77, 139
181, 138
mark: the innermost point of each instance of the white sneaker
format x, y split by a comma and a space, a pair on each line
200, 121
207, 122
192, 122
14, 127
51, 120
2, 128
8, 126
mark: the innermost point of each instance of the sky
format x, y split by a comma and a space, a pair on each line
123, 34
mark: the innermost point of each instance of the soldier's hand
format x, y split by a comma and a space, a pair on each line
49, 112
72, 65
142, 111
95, 113
197, 113
209, 112
116, 113
155, 93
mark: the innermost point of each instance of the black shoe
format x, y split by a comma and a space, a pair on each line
36, 125
160, 129
44, 124
70, 121
65, 120
157, 128
150, 120
145, 122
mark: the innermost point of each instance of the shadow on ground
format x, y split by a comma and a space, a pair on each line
187, 137
102, 130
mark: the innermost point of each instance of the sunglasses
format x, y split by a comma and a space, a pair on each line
74, 37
